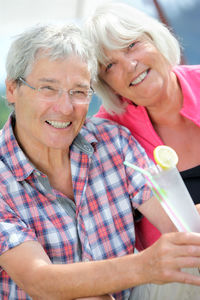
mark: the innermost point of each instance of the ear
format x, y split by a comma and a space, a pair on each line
11, 90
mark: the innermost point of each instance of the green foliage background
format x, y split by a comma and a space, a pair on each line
4, 108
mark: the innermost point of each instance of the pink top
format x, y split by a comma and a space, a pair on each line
137, 120
136, 117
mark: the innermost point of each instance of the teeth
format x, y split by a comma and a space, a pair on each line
139, 78
57, 124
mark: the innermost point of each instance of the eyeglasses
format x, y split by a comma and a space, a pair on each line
51, 93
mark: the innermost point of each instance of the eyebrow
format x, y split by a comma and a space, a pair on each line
82, 85
52, 80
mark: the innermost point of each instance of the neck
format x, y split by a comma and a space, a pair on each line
47, 160
55, 163
51, 161
166, 110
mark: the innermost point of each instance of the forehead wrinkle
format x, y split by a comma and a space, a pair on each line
51, 80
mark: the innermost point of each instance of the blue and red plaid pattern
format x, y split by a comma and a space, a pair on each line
104, 190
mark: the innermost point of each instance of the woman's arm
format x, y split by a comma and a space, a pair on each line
155, 213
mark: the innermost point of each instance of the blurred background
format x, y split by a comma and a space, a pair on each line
183, 16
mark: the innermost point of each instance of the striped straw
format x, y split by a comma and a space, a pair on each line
160, 195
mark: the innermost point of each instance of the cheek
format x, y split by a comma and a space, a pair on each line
31, 110
114, 82
84, 111
81, 111
111, 78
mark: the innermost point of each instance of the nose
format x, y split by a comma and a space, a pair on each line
64, 104
129, 64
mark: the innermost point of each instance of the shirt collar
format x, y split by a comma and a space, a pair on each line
189, 80
82, 144
12, 154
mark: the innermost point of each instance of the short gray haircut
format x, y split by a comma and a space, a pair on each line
57, 41
115, 26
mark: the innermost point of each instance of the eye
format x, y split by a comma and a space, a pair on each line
132, 45
108, 67
79, 93
48, 88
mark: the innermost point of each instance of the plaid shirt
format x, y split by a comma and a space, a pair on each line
100, 223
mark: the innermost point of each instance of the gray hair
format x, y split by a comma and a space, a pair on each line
56, 41
115, 26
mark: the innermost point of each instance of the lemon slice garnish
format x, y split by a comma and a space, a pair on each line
165, 157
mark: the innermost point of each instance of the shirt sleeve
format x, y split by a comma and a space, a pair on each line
13, 230
137, 185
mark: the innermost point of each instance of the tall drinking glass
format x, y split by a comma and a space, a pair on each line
176, 200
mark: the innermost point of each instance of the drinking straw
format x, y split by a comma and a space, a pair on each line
160, 195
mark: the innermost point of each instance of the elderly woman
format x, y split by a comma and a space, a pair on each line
144, 88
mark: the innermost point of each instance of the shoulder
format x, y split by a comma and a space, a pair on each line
189, 79
187, 71
99, 127
109, 135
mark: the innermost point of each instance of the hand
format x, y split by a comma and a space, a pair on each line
198, 208
165, 258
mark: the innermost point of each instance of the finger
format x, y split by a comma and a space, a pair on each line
198, 208
185, 277
186, 262
187, 251
183, 238
188, 276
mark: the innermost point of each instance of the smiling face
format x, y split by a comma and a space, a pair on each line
138, 72
49, 124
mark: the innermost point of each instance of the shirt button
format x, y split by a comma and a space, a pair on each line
37, 173
86, 147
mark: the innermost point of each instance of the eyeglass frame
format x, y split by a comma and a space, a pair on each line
60, 91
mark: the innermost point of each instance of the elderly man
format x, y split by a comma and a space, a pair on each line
66, 221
